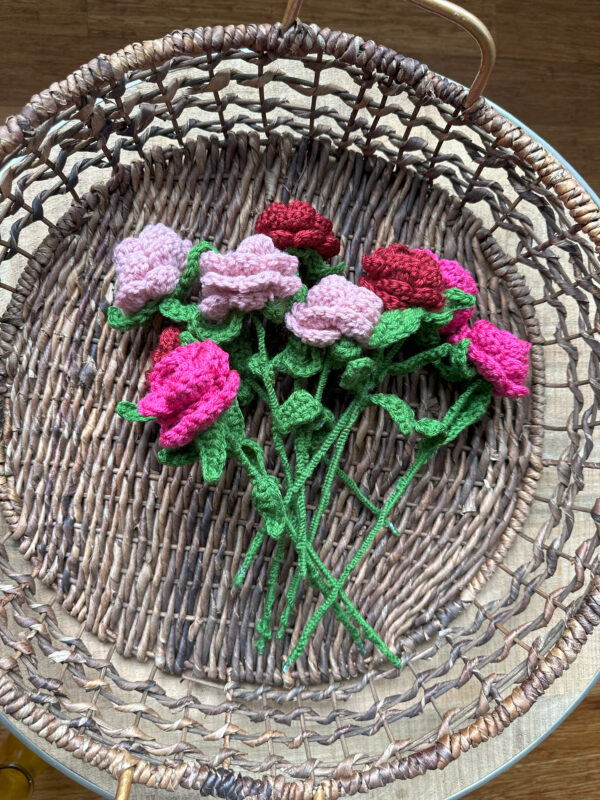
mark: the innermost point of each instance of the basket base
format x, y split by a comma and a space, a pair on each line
146, 555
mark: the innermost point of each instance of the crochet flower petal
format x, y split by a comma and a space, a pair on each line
149, 266
247, 278
334, 308
402, 277
500, 357
190, 387
298, 225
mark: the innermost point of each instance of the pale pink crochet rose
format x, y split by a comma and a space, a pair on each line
247, 278
335, 307
148, 266
189, 388
456, 277
500, 357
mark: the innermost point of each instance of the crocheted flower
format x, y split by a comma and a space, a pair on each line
500, 357
456, 277
169, 340
335, 307
189, 388
247, 278
149, 266
298, 225
402, 277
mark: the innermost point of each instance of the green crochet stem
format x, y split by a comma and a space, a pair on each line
468, 408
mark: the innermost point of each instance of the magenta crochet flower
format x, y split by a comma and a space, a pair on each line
189, 388
335, 307
149, 266
500, 357
247, 278
456, 277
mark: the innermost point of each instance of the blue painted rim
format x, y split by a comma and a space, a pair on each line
77, 778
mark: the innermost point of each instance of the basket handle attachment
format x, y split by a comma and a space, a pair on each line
124, 787
450, 11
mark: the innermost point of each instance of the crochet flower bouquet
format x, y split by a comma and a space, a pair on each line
277, 321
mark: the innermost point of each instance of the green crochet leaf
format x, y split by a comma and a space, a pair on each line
299, 410
358, 373
275, 310
455, 300
343, 351
245, 393
185, 337
178, 457
429, 428
313, 267
400, 412
231, 422
191, 273
455, 366
468, 409
129, 411
267, 499
298, 359
395, 326
125, 322
175, 310
212, 448
219, 333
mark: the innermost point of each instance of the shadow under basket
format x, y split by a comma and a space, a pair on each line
123, 640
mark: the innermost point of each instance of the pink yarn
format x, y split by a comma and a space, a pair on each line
500, 357
456, 277
149, 266
335, 307
189, 388
247, 278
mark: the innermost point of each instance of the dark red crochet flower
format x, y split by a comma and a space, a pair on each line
298, 225
402, 277
169, 340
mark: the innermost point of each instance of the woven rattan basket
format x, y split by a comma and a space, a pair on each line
122, 644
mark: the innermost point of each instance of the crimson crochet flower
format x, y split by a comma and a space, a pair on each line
189, 388
500, 357
169, 340
298, 225
402, 277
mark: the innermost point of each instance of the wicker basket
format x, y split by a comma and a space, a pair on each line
122, 642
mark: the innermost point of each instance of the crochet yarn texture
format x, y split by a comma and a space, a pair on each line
149, 266
278, 325
247, 278
298, 225
402, 277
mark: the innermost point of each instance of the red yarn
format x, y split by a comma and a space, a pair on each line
298, 225
168, 341
402, 277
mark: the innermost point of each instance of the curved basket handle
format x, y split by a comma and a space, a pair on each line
124, 787
450, 11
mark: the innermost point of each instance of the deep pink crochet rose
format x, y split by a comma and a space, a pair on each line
500, 357
335, 307
247, 278
456, 277
148, 266
189, 388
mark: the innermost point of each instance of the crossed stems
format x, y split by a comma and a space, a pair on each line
309, 564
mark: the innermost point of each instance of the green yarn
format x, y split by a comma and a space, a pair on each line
219, 333
126, 322
343, 351
275, 310
400, 412
176, 311
301, 409
298, 359
396, 326
130, 412
358, 373
312, 266
191, 273
267, 500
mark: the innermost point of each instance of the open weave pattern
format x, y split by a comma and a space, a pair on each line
492, 581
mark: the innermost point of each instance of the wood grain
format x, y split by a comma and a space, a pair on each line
548, 60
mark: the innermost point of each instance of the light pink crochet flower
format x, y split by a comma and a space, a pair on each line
149, 266
500, 357
247, 278
335, 307
189, 388
456, 277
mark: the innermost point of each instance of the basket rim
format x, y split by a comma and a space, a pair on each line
297, 41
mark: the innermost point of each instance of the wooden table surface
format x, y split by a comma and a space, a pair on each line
546, 75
